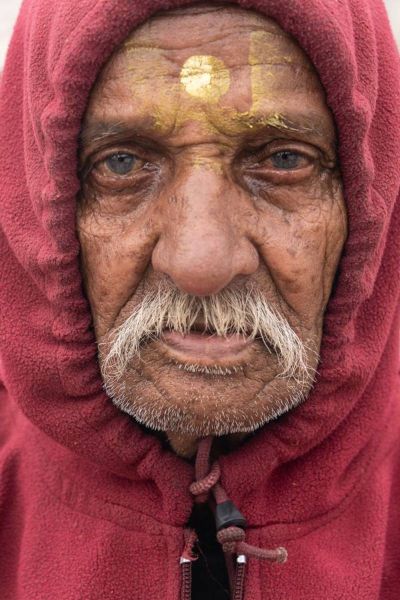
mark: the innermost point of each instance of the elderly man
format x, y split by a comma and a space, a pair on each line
199, 301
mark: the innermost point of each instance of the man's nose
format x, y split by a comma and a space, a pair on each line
202, 245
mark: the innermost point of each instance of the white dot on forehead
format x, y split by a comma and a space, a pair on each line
205, 77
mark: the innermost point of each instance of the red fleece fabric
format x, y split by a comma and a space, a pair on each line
92, 507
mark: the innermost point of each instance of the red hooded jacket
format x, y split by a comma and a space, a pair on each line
91, 506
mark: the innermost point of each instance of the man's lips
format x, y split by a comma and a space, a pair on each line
205, 348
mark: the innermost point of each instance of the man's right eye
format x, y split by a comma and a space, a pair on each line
122, 163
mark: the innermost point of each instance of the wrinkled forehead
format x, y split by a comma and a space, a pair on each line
216, 64
200, 23
232, 35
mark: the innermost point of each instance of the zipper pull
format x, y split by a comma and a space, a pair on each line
238, 592
185, 561
186, 570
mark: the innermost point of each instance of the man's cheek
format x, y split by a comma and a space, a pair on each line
296, 265
105, 276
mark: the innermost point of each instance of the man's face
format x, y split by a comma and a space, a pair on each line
211, 222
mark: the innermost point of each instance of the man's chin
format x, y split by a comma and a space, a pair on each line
205, 403
192, 399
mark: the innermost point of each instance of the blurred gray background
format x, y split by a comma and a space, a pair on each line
9, 10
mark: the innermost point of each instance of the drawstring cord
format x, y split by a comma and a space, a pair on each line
187, 555
229, 521
230, 525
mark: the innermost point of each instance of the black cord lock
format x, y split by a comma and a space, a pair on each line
227, 515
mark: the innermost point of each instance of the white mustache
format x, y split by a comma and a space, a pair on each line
232, 311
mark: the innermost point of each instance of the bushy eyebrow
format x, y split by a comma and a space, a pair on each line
98, 131
306, 124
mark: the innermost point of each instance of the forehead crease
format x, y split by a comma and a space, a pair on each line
169, 67
163, 31
268, 71
149, 63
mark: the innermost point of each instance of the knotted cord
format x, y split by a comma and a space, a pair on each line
232, 537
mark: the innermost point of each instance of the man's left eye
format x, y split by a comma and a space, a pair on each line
287, 160
121, 163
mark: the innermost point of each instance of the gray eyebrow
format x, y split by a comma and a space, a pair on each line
304, 123
308, 124
101, 130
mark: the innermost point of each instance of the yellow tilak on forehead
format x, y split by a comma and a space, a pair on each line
205, 77
262, 55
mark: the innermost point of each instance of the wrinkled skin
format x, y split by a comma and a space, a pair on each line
208, 202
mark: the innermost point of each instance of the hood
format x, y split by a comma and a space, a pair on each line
323, 448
